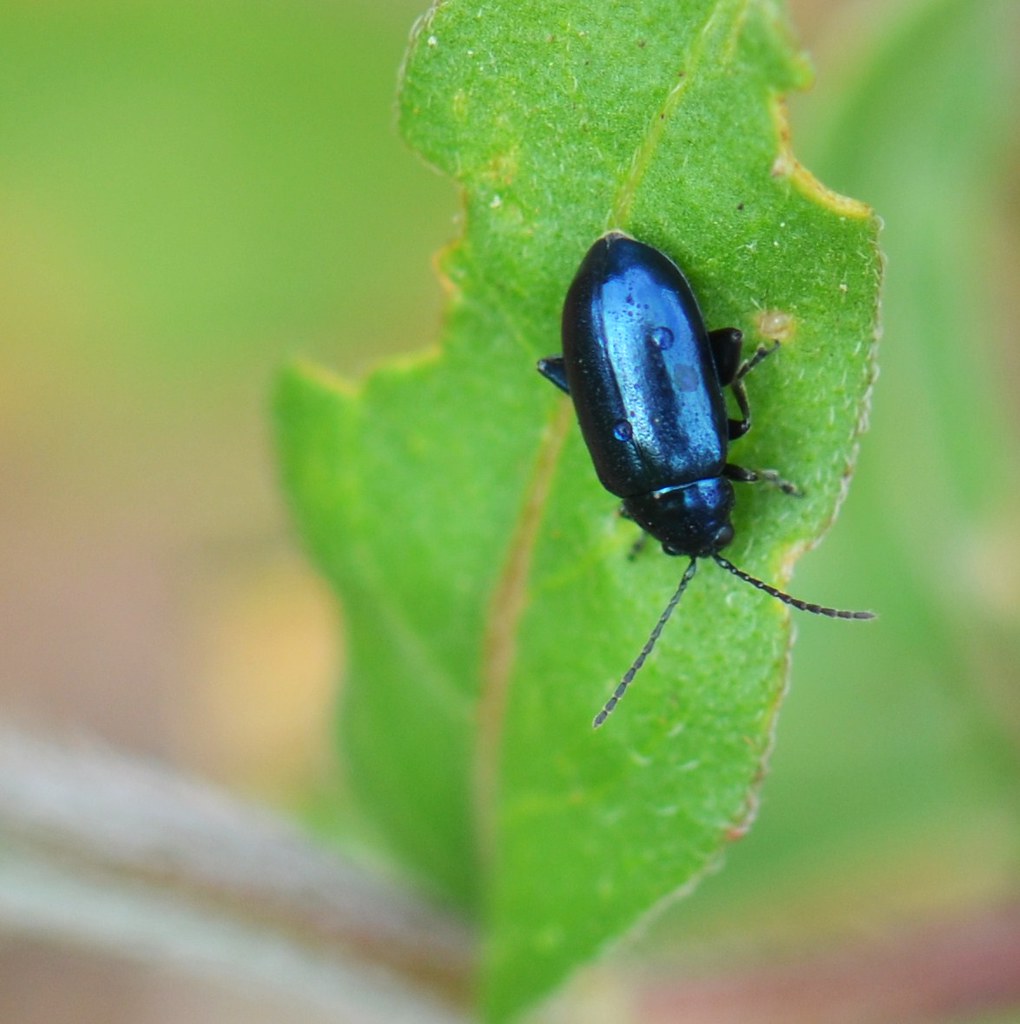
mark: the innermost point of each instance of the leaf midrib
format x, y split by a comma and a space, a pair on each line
708, 39
509, 600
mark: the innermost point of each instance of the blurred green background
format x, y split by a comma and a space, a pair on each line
192, 194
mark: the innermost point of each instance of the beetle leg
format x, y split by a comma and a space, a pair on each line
737, 428
642, 539
638, 546
554, 370
761, 353
725, 344
753, 476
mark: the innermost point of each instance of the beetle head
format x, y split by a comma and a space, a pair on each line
690, 519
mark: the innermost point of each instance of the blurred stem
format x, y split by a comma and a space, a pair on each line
100, 851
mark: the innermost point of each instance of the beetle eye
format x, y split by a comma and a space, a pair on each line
723, 536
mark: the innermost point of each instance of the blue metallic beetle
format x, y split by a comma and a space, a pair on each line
647, 378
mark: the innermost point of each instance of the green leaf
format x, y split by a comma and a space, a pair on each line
489, 601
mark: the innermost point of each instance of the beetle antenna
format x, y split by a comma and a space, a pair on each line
804, 606
621, 688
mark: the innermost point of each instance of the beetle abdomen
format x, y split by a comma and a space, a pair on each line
640, 370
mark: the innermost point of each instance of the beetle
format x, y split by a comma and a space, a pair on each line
647, 380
